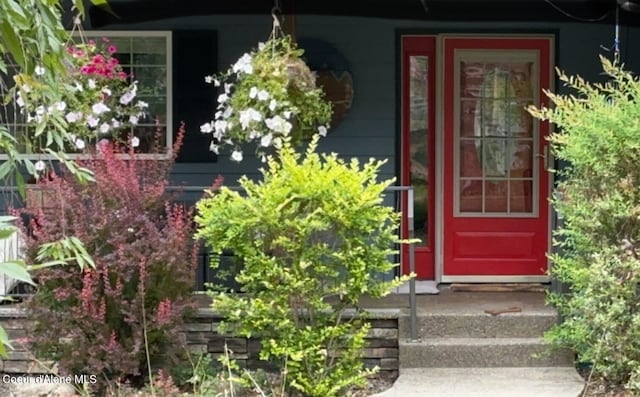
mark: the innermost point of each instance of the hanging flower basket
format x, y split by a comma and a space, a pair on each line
267, 96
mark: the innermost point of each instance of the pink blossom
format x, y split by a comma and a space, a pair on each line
164, 312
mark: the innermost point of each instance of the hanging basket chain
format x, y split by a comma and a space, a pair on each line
276, 13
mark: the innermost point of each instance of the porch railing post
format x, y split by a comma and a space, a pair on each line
412, 269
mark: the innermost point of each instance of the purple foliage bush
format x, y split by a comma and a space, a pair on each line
94, 321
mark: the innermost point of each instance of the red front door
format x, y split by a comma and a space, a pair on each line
495, 220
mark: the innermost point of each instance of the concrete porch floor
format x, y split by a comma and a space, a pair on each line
462, 303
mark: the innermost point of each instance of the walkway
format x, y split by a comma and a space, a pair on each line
486, 382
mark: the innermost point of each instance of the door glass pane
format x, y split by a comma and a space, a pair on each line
521, 195
471, 79
419, 130
468, 118
519, 122
496, 193
471, 195
495, 155
471, 158
521, 153
495, 133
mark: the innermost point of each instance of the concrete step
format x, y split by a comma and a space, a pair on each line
481, 353
479, 325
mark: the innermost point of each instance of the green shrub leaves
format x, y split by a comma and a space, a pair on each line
314, 236
599, 202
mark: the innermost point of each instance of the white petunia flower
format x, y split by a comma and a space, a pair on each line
135, 141
19, 100
208, 79
277, 142
127, 97
287, 114
142, 105
218, 115
79, 144
222, 98
227, 113
40, 71
243, 65
278, 124
26, 88
115, 123
92, 121
261, 46
263, 95
72, 117
61, 106
266, 140
133, 119
213, 147
104, 128
227, 88
78, 86
322, 130
40, 165
220, 126
216, 82
206, 128
249, 115
272, 105
91, 83
253, 92
106, 91
236, 156
99, 108
253, 134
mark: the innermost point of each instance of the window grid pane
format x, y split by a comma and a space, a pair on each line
496, 137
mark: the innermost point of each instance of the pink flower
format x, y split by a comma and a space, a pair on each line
112, 49
164, 312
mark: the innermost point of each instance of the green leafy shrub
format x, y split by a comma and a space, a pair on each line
599, 201
314, 237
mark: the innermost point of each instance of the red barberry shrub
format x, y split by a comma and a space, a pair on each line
100, 321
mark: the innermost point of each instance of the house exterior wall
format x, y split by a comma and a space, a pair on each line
369, 46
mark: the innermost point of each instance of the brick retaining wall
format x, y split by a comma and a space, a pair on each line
201, 336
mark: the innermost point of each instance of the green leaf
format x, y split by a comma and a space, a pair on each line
4, 343
12, 42
104, 5
16, 270
5, 169
7, 231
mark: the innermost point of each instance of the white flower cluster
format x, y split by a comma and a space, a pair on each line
99, 118
265, 121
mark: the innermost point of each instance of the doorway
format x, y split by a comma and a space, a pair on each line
476, 159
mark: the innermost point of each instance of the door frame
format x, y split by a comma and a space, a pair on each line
439, 157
